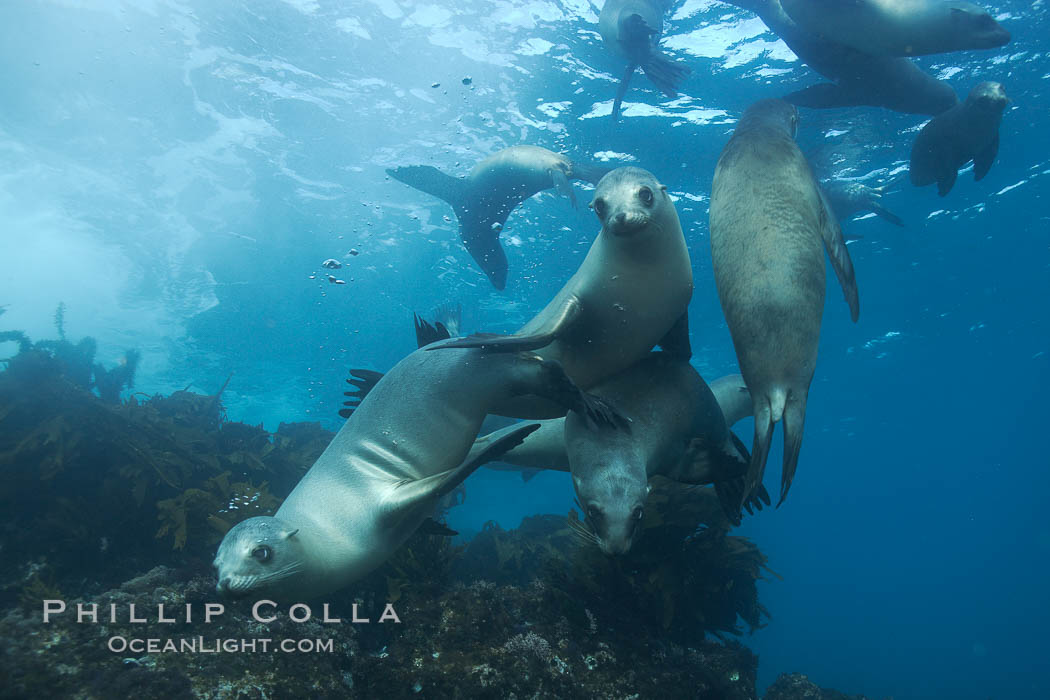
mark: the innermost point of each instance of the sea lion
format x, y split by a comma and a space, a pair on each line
969, 131
859, 79
381, 476
849, 197
900, 27
485, 198
769, 223
629, 294
631, 29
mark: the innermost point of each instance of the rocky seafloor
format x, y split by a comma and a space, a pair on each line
122, 503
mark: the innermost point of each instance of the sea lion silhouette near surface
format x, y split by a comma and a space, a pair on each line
485, 198
632, 30
629, 294
405, 446
770, 224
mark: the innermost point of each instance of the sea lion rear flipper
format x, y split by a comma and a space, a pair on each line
411, 493
759, 448
365, 380
621, 90
556, 325
982, 162
885, 213
562, 184
676, 341
794, 421
540, 451
825, 96
946, 181
432, 181
427, 333
433, 527
835, 244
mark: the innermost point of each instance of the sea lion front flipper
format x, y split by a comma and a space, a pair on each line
562, 184
365, 380
676, 341
706, 463
544, 449
621, 90
412, 493
835, 244
885, 213
429, 179
565, 316
946, 181
982, 162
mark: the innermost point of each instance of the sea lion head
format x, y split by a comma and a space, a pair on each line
975, 28
627, 199
771, 113
613, 505
988, 97
260, 554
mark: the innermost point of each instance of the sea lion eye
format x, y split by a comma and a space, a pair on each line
646, 195
593, 512
637, 513
599, 208
262, 553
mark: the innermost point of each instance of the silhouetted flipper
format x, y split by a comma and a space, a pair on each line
982, 162
556, 324
676, 342
621, 90
433, 527
835, 244
825, 96
884, 213
427, 333
365, 380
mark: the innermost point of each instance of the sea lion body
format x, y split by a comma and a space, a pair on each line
629, 294
859, 78
969, 131
900, 27
770, 225
496, 186
399, 453
631, 29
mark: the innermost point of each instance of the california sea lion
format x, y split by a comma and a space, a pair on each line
402, 450
969, 131
900, 27
629, 294
769, 223
485, 198
859, 78
849, 197
632, 29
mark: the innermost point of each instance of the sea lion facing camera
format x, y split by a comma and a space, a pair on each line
969, 131
485, 198
770, 224
629, 294
405, 446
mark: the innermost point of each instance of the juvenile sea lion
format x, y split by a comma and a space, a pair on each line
969, 131
900, 27
485, 198
859, 78
849, 197
632, 29
405, 447
769, 223
629, 294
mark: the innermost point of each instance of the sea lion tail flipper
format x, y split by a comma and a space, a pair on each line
547, 379
825, 96
562, 184
365, 380
432, 181
427, 333
835, 244
589, 172
759, 448
946, 181
676, 341
794, 421
428, 490
885, 213
664, 73
982, 162
621, 90
450, 315
555, 325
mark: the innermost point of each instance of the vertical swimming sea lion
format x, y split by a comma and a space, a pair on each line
632, 29
969, 131
485, 198
770, 224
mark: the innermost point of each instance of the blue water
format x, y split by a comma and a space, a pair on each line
176, 172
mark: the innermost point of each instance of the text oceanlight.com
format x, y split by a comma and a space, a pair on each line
202, 645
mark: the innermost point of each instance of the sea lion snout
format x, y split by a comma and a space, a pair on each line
624, 223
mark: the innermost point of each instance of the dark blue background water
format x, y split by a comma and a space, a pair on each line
176, 173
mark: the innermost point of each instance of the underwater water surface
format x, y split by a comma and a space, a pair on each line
175, 174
